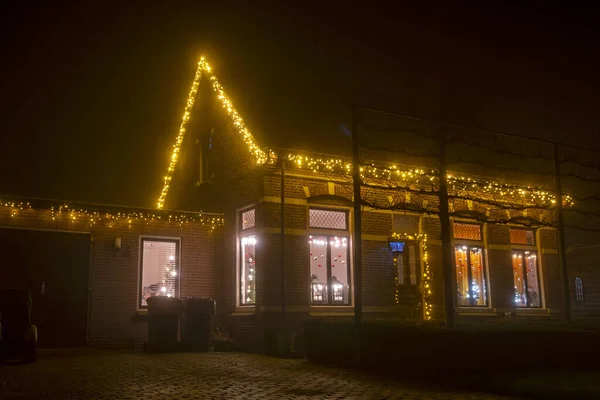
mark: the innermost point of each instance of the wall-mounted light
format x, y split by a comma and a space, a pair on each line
396, 246
117, 243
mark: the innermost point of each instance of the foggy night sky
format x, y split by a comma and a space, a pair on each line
92, 94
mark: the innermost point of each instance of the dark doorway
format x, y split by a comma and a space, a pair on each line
55, 267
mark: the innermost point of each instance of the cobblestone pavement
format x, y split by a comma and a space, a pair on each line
89, 374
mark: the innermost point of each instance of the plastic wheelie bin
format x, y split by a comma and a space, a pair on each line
196, 323
163, 324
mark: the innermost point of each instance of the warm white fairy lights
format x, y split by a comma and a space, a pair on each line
204, 68
75, 214
422, 237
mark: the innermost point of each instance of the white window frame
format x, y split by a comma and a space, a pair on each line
484, 247
240, 234
139, 283
537, 248
332, 232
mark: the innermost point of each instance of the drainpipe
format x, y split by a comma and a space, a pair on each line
282, 239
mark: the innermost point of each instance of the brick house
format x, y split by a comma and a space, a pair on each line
90, 267
506, 260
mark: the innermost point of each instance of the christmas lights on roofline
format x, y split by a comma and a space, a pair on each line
237, 121
456, 183
78, 214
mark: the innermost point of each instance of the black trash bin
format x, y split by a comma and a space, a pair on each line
163, 324
196, 324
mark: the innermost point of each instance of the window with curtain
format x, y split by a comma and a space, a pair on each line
247, 258
470, 276
159, 269
526, 279
329, 255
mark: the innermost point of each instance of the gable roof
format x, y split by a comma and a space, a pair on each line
336, 164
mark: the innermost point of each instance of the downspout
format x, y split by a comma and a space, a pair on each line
282, 239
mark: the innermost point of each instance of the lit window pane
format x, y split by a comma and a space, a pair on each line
525, 277
522, 236
160, 269
248, 219
248, 271
467, 231
329, 270
327, 219
470, 276
340, 284
318, 268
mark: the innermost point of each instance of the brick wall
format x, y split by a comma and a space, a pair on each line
113, 320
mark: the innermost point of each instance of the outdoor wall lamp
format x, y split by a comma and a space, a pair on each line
117, 243
396, 246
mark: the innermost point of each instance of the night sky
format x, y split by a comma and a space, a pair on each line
92, 94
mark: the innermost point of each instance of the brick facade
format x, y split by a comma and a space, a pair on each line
113, 319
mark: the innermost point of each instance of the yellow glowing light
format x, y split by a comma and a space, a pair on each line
259, 154
74, 215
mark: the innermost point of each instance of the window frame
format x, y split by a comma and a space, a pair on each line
405, 254
469, 243
330, 233
539, 263
481, 233
344, 210
151, 238
239, 253
533, 231
524, 252
485, 272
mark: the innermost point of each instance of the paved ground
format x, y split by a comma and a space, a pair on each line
89, 374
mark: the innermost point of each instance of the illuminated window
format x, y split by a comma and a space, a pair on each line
247, 240
328, 219
522, 236
526, 279
466, 231
159, 269
329, 269
248, 219
470, 276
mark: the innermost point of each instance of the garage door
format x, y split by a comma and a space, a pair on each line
55, 267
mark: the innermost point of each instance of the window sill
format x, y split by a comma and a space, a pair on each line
331, 311
244, 311
476, 312
141, 315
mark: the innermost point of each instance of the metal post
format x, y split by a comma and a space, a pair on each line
356, 235
560, 232
448, 271
282, 240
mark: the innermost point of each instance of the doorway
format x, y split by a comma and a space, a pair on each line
55, 267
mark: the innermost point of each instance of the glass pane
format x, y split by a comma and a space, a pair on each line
522, 236
478, 290
519, 282
327, 219
412, 262
401, 268
318, 269
160, 269
248, 219
534, 299
462, 275
467, 231
248, 271
340, 282
406, 224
